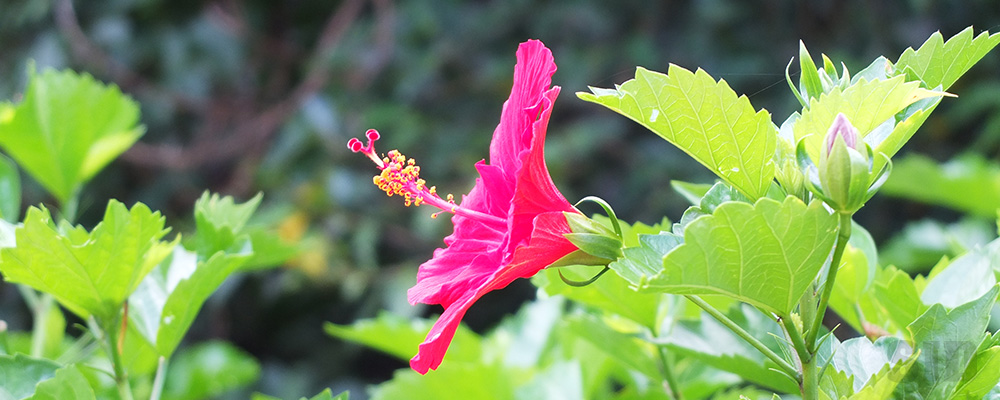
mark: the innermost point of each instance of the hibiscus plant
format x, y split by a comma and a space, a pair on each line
764, 288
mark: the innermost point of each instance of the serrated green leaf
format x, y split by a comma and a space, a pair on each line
867, 104
883, 384
640, 263
765, 254
898, 296
967, 183
220, 221
982, 375
67, 128
209, 369
708, 341
702, 117
169, 298
940, 63
88, 273
400, 337
862, 359
10, 191
947, 340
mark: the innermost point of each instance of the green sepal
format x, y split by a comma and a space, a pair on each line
809, 80
593, 238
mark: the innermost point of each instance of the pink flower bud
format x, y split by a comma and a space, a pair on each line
842, 127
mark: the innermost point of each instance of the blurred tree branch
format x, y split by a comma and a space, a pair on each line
238, 128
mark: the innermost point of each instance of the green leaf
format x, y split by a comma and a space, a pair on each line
220, 221
324, 395
708, 341
625, 348
809, 83
765, 254
67, 128
400, 337
982, 375
209, 369
559, 381
88, 273
922, 244
702, 117
867, 104
640, 263
854, 278
863, 360
67, 383
947, 341
451, 381
167, 301
19, 374
968, 183
940, 63
10, 191
882, 385
897, 294
692, 192
965, 279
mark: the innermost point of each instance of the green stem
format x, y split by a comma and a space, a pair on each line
784, 365
161, 373
39, 331
843, 235
810, 380
796, 338
668, 375
108, 336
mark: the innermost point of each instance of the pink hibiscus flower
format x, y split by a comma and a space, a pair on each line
509, 226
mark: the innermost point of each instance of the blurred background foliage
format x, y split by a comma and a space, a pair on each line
246, 96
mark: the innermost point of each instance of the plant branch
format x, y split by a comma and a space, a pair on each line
718, 315
668, 374
843, 235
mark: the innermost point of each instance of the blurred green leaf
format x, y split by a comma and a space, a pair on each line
940, 63
209, 369
765, 254
451, 381
559, 381
922, 244
625, 348
67, 383
269, 249
692, 192
167, 301
968, 183
400, 337
898, 296
702, 117
947, 341
88, 273
67, 128
10, 191
19, 374
707, 340
965, 279
219, 221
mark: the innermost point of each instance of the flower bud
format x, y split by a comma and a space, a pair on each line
843, 177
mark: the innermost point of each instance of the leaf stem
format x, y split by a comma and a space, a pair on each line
718, 315
161, 373
39, 332
668, 374
796, 338
843, 235
108, 337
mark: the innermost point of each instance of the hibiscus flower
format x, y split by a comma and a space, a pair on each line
510, 225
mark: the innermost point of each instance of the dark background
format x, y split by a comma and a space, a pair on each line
247, 96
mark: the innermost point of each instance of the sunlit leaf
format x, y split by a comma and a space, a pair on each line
867, 104
765, 254
940, 63
88, 273
982, 374
219, 221
67, 128
704, 118
169, 298
450, 381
